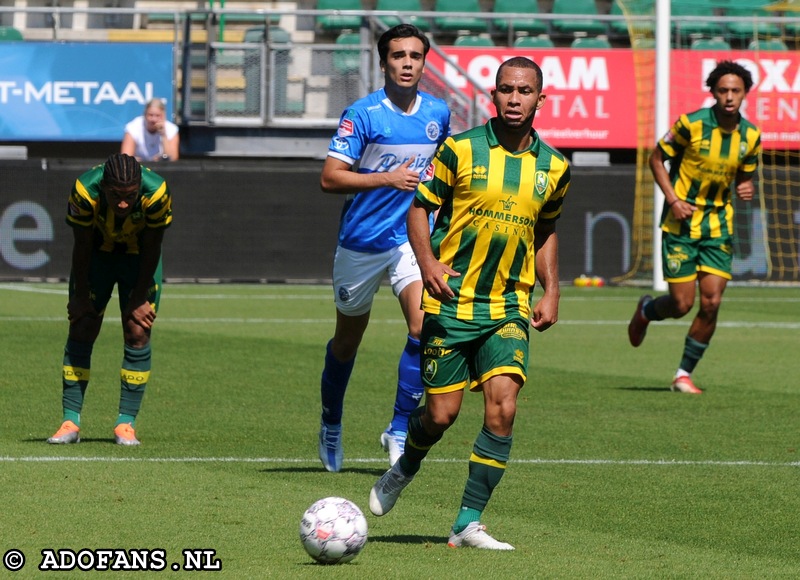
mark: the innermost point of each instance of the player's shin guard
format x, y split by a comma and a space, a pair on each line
487, 464
692, 353
75, 376
335, 377
418, 443
409, 386
134, 375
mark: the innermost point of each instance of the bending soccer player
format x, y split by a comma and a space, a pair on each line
708, 150
391, 137
118, 212
495, 234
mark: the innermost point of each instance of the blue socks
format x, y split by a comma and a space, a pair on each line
409, 386
335, 377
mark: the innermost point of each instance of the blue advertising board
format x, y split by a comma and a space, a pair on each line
79, 91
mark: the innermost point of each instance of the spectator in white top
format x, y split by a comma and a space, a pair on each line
151, 137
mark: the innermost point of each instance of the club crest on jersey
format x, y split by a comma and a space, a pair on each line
346, 128
427, 175
540, 181
432, 131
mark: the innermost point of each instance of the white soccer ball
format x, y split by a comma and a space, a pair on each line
333, 530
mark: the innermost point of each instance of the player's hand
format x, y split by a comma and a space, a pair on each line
545, 313
403, 178
745, 190
682, 210
78, 308
435, 282
144, 315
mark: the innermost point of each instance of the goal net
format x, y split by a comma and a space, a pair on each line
765, 38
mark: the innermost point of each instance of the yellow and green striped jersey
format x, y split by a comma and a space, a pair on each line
489, 201
88, 208
704, 162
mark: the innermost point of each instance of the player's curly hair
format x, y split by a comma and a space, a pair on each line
728, 67
401, 31
122, 170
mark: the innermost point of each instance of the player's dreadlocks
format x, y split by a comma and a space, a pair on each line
122, 170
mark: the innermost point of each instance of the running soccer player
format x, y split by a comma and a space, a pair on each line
708, 150
499, 190
390, 136
118, 212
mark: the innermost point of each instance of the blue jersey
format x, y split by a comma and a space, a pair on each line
375, 136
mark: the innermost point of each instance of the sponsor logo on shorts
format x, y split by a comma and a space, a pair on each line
429, 369
512, 330
519, 356
344, 294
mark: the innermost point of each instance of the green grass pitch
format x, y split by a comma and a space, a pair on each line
612, 475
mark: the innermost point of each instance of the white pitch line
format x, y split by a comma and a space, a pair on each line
588, 462
561, 322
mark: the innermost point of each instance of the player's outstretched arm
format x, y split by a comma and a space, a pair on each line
434, 273
545, 311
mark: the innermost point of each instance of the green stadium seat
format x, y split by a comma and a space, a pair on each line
716, 43
338, 23
461, 23
347, 60
529, 25
473, 40
406, 7
541, 41
587, 26
698, 23
591, 42
9, 33
642, 28
750, 28
767, 44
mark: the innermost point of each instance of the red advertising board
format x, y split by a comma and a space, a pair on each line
591, 94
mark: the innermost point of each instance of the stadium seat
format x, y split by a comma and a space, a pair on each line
335, 22
619, 28
583, 25
767, 44
529, 25
347, 60
750, 28
716, 43
461, 23
406, 7
590, 42
9, 33
473, 40
698, 14
541, 41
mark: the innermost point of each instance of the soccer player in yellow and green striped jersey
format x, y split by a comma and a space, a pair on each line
118, 212
712, 153
498, 190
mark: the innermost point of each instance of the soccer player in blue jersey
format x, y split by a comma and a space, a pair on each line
383, 148
118, 212
708, 150
498, 190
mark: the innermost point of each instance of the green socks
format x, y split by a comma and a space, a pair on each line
692, 353
487, 465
